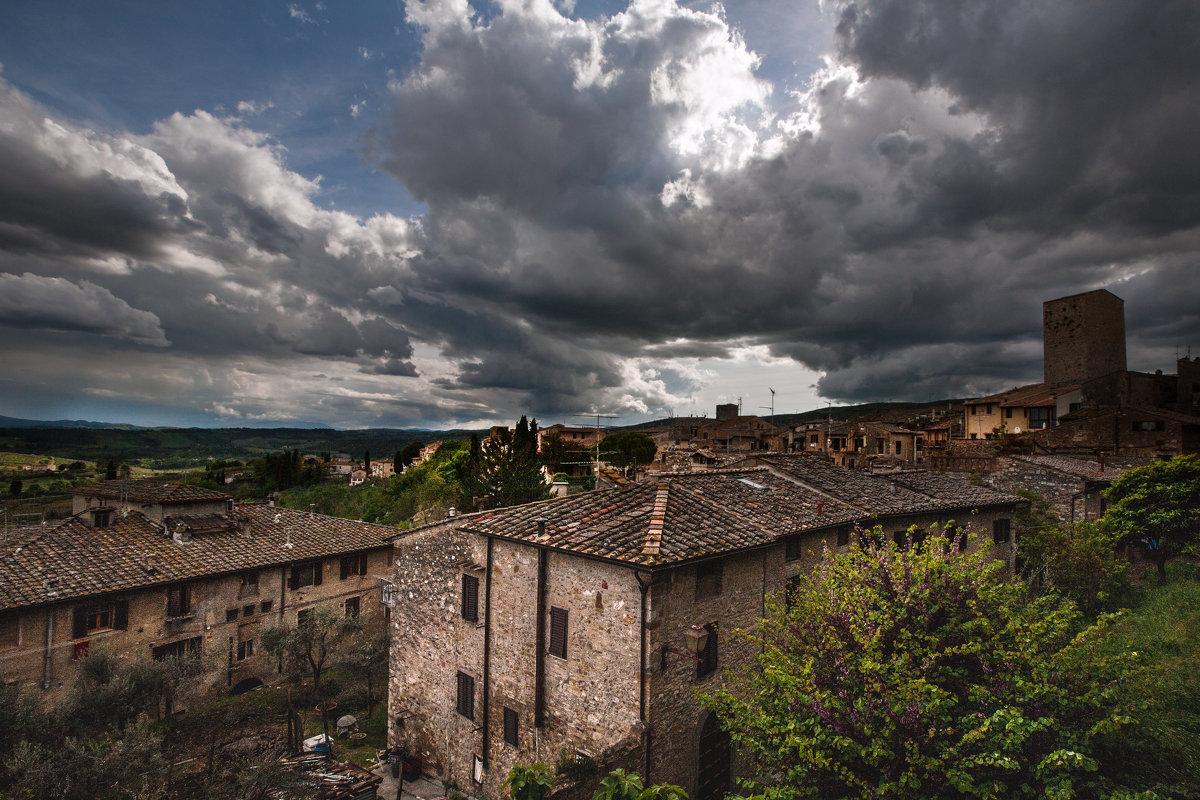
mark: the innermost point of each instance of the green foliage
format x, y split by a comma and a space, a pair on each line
1157, 507
15, 487
308, 648
620, 785
508, 472
1162, 754
575, 766
626, 449
923, 673
529, 782
1079, 560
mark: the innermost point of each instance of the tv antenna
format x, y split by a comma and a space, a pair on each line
772, 406
598, 418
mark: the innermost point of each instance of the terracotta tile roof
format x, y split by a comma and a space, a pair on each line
676, 518
953, 487
150, 490
895, 493
71, 559
1079, 467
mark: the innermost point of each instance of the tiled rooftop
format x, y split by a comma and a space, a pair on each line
951, 486
71, 559
1080, 467
150, 490
683, 517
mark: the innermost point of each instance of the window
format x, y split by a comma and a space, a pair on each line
231, 614
708, 656
791, 549
1001, 531
245, 649
249, 584
178, 649
10, 630
97, 617
266, 605
352, 607
303, 617
470, 598
179, 601
354, 564
465, 696
953, 534
1043, 417
248, 611
708, 579
305, 574
510, 727
899, 448
989, 408
558, 632
843, 536
789, 598
1156, 425
1008, 413
102, 518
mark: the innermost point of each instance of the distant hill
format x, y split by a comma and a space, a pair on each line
16, 422
191, 447
836, 412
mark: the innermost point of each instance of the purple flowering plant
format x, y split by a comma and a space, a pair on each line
919, 671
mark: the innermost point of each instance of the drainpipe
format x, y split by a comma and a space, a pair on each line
539, 679
643, 588
487, 649
48, 653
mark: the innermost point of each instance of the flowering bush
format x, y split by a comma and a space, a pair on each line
921, 672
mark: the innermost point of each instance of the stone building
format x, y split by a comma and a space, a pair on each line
585, 625
1083, 337
146, 579
859, 443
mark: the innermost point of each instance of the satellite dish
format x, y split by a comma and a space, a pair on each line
1017, 429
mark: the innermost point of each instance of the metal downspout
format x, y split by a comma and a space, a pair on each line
487, 651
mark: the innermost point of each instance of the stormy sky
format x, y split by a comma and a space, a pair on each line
452, 213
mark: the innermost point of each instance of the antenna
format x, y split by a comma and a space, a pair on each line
772, 406
598, 417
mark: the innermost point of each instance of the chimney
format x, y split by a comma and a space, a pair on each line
820, 506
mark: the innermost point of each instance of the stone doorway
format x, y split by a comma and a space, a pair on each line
712, 774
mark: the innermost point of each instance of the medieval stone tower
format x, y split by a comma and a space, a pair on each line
1083, 336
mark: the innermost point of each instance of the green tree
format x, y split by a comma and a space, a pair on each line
308, 648
508, 471
1157, 507
15, 487
366, 656
922, 672
367, 461
626, 449
110, 472
529, 781
1080, 560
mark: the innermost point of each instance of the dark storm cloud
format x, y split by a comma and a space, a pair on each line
611, 202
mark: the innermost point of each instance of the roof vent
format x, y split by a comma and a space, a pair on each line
278, 517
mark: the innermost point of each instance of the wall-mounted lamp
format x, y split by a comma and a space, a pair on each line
694, 638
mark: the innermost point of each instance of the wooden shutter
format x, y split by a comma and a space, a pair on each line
470, 598
79, 622
121, 615
362, 563
558, 632
465, 695
317, 572
345, 568
708, 658
294, 578
510, 727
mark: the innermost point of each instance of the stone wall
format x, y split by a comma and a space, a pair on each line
1083, 336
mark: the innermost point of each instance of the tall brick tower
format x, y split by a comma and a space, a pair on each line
1083, 336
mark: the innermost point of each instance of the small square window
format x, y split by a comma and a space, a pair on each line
231, 614
266, 605
352, 607
245, 649
843, 536
248, 611
791, 549
1001, 531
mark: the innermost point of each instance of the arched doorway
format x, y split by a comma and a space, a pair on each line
712, 774
241, 687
